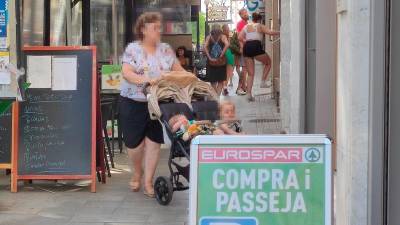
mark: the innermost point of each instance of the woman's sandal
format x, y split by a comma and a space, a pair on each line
250, 98
135, 186
149, 194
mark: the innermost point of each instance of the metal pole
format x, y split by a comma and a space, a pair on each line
198, 29
86, 23
206, 28
114, 31
46, 23
68, 10
18, 32
129, 8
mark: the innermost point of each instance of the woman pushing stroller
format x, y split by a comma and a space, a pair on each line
143, 62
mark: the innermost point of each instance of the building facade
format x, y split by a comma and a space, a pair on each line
338, 75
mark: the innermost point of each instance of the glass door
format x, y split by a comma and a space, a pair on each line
32, 22
107, 29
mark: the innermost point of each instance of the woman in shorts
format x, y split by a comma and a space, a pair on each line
144, 61
252, 35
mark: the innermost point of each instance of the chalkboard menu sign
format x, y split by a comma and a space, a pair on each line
55, 125
5, 137
57, 122
55, 131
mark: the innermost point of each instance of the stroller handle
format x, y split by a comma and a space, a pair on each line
145, 86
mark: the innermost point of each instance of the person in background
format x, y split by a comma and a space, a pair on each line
216, 45
230, 60
143, 61
239, 61
252, 35
181, 54
244, 15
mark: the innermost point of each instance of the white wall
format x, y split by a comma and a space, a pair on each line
292, 65
352, 113
352, 107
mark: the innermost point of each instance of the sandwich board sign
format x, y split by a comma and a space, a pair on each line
260, 180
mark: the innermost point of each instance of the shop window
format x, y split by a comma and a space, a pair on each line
76, 24
120, 6
176, 14
32, 22
101, 28
58, 23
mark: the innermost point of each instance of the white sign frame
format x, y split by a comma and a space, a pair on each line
254, 140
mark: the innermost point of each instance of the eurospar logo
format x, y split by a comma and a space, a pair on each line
259, 154
228, 221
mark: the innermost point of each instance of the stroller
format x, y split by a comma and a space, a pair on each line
202, 105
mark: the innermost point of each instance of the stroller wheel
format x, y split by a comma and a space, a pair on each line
164, 190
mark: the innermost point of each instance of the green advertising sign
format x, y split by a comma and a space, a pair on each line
111, 77
261, 180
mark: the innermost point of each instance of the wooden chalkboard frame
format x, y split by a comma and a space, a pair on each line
15, 141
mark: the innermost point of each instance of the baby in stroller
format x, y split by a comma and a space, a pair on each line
187, 130
229, 123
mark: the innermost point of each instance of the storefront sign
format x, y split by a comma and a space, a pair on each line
3, 23
111, 77
260, 180
218, 10
254, 5
5, 75
177, 28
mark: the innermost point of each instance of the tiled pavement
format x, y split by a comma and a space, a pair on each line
66, 203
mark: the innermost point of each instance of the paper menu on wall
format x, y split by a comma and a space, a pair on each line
64, 73
39, 71
5, 75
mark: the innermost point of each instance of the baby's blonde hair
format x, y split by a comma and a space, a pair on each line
224, 103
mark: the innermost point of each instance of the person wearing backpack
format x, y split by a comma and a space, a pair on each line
216, 45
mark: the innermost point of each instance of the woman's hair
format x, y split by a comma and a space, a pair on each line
256, 17
145, 18
225, 26
181, 48
216, 31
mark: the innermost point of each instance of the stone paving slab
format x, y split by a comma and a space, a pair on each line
63, 203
